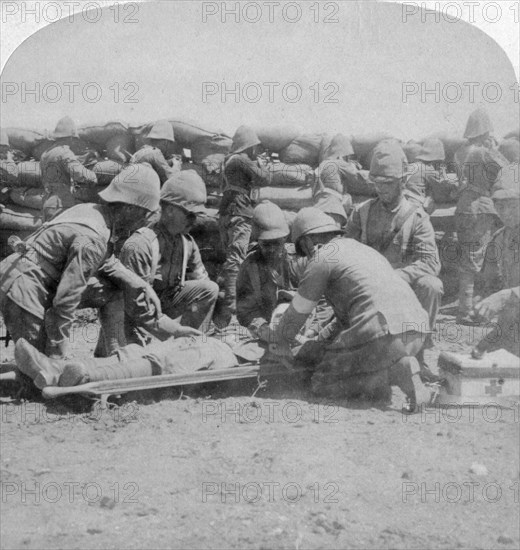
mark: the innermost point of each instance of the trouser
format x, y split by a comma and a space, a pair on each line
235, 232
429, 291
20, 323
173, 356
109, 300
366, 369
474, 233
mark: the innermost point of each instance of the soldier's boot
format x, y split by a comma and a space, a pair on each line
37, 366
466, 284
108, 368
406, 375
112, 334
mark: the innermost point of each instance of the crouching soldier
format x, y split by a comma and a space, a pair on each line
501, 271
155, 148
399, 230
168, 257
43, 284
269, 268
375, 335
61, 170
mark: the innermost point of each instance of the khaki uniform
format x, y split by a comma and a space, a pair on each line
236, 210
378, 319
412, 252
41, 290
155, 158
174, 267
61, 171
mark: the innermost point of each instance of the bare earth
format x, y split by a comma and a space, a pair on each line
214, 467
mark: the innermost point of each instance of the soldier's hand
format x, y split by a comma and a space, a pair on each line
187, 331
153, 304
491, 306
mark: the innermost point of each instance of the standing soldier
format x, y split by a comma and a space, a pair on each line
427, 176
399, 230
168, 257
376, 332
236, 210
155, 148
61, 171
42, 285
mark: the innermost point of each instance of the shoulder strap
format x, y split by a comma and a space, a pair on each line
398, 225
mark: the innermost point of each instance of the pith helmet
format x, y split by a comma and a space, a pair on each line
478, 124
4, 140
137, 184
510, 148
244, 138
269, 222
310, 221
432, 151
339, 147
507, 186
388, 162
330, 204
186, 190
162, 129
66, 127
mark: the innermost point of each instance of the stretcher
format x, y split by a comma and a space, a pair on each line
105, 389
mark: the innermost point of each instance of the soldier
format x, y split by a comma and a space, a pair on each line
475, 221
427, 175
375, 335
155, 148
61, 171
399, 230
270, 267
42, 285
168, 257
478, 133
241, 171
501, 271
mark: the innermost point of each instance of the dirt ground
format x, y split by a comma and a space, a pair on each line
219, 467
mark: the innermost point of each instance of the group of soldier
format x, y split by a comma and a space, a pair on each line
360, 284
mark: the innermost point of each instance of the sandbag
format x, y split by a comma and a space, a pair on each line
285, 175
335, 147
305, 149
18, 218
99, 134
120, 147
276, 138
29, 174
364, 144
8, 173
353, 179
209, 145
411, 150
27, 197
85, 152
106, 170
287, 198
23, 139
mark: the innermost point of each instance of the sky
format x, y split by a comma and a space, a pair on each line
345, 66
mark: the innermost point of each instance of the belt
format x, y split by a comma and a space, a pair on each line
36, 258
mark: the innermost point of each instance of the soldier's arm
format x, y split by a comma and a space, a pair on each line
423, 256
161, 166
84, 258
77, 171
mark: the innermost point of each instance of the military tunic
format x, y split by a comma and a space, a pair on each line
155, 158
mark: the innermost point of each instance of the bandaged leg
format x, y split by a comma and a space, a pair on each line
37, 366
